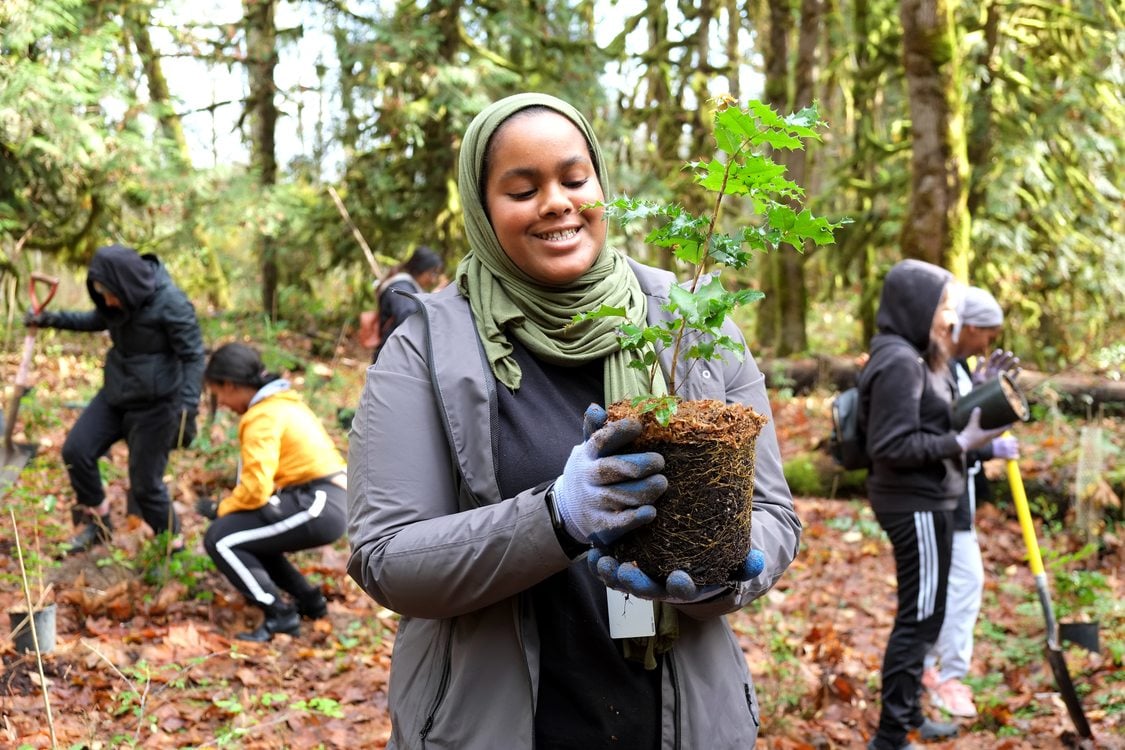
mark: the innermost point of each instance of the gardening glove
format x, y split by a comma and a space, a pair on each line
1006, 446
603, 494
999, 361
207, 508
974, 436
185, 421
678, 588
32, 319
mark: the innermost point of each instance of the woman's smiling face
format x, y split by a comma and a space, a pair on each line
539, 174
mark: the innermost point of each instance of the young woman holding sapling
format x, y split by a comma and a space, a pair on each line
477, 488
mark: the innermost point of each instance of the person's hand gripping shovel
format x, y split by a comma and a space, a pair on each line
1054, 650
17, 455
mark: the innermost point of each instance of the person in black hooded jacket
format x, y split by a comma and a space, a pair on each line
150, 395
917, 476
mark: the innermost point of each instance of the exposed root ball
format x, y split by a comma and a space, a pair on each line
702, 522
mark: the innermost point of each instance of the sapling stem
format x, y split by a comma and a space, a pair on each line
700, 267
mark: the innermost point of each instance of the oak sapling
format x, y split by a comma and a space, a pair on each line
708, 446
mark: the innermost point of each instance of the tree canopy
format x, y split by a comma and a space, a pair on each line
990, 142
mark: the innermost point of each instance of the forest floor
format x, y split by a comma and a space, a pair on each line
145, 654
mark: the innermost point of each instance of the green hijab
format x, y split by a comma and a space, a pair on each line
507, 302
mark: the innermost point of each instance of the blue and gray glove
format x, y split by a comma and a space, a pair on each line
678, 588
603, 494
974, 436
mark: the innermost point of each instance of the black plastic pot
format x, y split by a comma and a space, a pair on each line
1084, 634
1000, 400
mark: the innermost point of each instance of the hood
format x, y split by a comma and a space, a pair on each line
910, 297
126, 273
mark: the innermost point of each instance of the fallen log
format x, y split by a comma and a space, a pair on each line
1071, 392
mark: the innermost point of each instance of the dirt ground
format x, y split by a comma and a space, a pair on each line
146, 657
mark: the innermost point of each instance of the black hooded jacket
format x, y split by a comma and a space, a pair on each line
905, 407
157, 352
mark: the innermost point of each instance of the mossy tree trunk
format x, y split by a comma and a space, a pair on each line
261, 59
936, 228
781, 316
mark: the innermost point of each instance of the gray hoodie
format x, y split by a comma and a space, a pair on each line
433, 540
905, 407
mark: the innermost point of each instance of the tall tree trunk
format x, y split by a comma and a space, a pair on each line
793, 295
936, 229
261, 59
781, 318
732, 45
776, 58
218, 290
981, 131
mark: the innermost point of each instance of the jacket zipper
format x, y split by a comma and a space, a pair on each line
518, 613
670, 662
443, 686
750, 705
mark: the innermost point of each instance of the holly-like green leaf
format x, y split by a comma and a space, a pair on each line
758, 174
727, 249
661, 407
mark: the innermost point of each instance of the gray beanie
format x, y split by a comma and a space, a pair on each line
980, 309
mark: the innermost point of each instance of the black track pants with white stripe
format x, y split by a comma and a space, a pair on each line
923, 547
249, 546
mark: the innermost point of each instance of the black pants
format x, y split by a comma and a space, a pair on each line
248, 546
148, 431
923, 548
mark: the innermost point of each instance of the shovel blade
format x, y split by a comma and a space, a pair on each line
15, 458
1069, 694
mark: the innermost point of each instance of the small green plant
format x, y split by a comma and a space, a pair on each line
864, 523
802, 476
741, 167
1012, 649
1075, 589
268, 709
783, 692
158, 565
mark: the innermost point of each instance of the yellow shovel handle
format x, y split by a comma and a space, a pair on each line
1015, 481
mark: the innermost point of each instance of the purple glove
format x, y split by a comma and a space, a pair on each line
999, 361
974, 436
1006, 446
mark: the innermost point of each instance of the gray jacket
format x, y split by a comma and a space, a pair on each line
432, 539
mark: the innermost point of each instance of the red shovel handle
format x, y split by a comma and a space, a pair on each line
52, 284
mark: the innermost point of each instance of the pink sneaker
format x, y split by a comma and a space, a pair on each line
955, 698
930, 678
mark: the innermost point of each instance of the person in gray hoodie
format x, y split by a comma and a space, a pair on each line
150, 397
476, 488
917, 476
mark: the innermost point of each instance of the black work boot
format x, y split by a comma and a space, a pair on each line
280, 618
312, 606
937, 730
96, 530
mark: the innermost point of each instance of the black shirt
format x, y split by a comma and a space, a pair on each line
590, 696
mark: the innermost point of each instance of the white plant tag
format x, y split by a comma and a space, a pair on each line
630, 616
